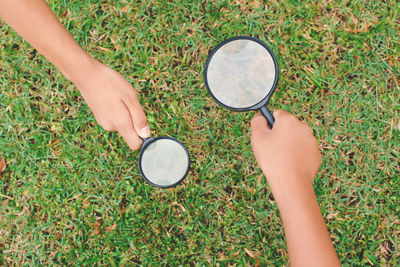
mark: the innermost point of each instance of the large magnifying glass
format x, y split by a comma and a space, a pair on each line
241, 74
163, 161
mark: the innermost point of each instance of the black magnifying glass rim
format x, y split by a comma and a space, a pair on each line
265, 100
151, 140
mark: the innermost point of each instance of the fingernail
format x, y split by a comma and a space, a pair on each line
145, 132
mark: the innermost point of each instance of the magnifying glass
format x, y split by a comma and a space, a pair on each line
163, 161
241, 74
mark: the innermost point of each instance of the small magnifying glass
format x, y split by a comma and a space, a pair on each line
241, 74
163, 161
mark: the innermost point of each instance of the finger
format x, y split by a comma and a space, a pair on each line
138, 116
259, 131
259, 125
281, 113
284, 118
126, 129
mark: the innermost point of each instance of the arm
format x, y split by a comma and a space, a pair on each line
111, 98
289, 157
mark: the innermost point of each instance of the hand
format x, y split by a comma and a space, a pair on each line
114, 103
111, 98
288, 150
289, 157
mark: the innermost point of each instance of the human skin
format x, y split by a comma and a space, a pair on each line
111, 98
289, 156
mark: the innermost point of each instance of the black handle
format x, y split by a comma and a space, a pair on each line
268, 116
146, 140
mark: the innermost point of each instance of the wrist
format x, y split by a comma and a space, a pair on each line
79, 68
290, 185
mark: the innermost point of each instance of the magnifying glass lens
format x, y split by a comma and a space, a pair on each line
164, 162
241, 73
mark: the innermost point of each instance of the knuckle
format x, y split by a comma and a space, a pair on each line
135, 146
132, 95
307, 128
132, 100
107, 126
290, 117
123, 123
280, 112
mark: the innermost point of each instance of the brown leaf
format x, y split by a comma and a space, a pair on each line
97, 227
110, 228
251, 254
331, 216
2, 165
255, 4
125, 9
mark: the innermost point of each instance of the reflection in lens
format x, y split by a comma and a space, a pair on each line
241, 73
164, 162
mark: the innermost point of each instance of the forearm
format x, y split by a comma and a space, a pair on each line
308, 240
36, 23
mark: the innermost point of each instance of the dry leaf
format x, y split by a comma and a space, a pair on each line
251, 254
255, 4
97, 227
110, 228
125, 9
2, 165
331, 216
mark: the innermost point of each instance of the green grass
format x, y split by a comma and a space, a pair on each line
72, 193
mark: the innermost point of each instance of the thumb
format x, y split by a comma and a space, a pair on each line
140, 122
138, 116
259, 127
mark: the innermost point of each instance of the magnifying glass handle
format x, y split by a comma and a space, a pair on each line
146, 140
268, 116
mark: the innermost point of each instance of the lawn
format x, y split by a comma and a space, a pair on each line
72, 193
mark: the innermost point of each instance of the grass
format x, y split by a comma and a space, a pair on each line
72, 193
